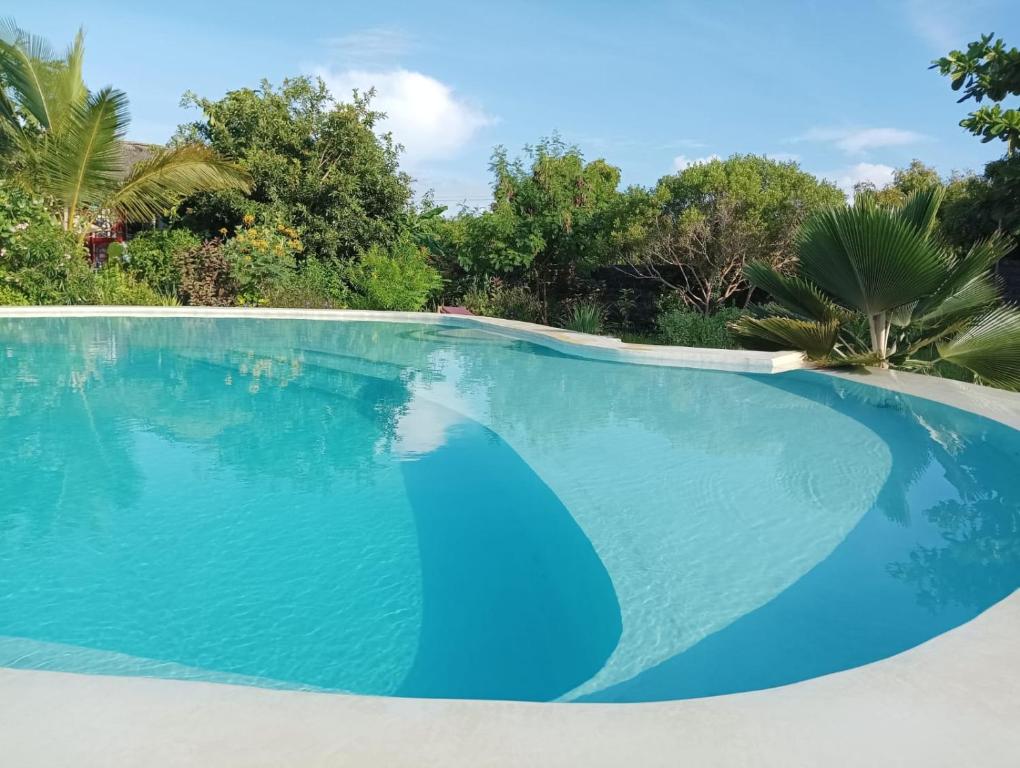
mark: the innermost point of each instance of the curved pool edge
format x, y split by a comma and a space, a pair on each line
949, 701
570, 342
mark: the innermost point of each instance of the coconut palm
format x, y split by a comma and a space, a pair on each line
875, 286
66, 142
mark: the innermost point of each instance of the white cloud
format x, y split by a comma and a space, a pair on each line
423, 114
680, 162
857, 141
875, 173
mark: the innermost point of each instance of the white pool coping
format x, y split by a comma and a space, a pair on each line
952, 701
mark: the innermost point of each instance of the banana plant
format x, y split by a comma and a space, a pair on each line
875, 285
65, 142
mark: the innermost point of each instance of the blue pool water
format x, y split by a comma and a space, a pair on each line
419, 510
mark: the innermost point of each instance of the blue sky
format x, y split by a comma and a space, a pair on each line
841, 87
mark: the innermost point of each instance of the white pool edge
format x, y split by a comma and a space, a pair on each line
951, 701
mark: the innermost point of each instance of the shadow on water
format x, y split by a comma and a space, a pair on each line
940, 545
517, 605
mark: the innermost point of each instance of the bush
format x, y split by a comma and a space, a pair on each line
514, 302
39, 262
115, 287
311, 286
586, 317
10, 297
398, 279
154, 257
684, 327
205, 277
259, 257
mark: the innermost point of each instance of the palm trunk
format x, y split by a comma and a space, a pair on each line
878, 325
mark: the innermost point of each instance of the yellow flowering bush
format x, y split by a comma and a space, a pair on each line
261, 256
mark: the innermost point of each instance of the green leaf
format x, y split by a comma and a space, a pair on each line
816, 339
160, 182
922, 207
82, 164
793, 293
870, 259
23, 63
990, 348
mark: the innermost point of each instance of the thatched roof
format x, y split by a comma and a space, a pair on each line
132, 152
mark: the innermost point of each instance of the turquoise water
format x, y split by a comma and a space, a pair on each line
417, 510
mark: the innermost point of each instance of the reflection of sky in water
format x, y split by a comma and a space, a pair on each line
384, 509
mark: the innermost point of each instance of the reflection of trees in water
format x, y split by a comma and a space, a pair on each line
978, 556
76, 392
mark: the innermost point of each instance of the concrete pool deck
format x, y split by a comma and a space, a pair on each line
952, 701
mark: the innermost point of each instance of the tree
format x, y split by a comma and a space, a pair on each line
317, 165
715, 218
906, 181
554, 217
883, 269
64, 141
987, 69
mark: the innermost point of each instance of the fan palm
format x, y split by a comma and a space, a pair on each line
876, 286
66, 142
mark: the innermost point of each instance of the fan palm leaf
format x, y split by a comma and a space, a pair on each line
989, 348
921, 209
870, 260
160, 182
794, 293
817, 339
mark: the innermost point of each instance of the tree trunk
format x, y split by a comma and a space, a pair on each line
878, 325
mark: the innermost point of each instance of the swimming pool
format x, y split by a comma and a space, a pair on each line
423, 510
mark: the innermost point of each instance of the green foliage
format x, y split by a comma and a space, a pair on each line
116, 287
683, 327
511, 302
553, 216
317, 164
400, 278
38, 261
987, 69
915, 177
66, 141
312, 285
586, 317
153, 256
10, 297
714, 218
259, 257
925, 306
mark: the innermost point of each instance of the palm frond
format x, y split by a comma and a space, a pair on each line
869, 259
24, 60
989, 348
157, 184
815, 338
82, 164
63, 84
793, 293
922, 207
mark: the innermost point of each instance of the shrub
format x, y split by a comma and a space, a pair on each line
684, 327
205, 277
398, 279
10, 297
586, 317
311, 286
154, 256
114, 286
513, 302
261, 256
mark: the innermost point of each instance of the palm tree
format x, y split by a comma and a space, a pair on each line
876, 286
65, 142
